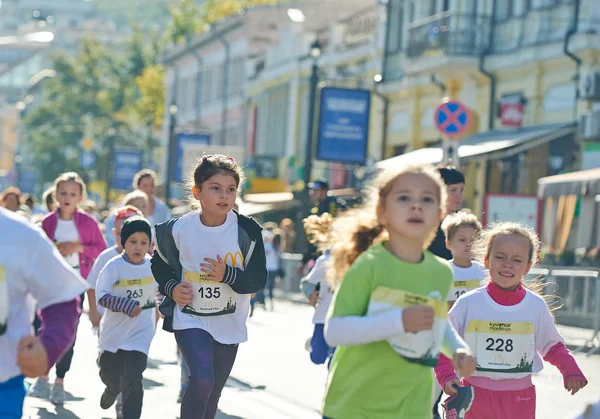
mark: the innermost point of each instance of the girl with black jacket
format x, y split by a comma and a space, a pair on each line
207, 263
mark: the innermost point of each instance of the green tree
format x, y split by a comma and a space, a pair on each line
186, 20
91, 84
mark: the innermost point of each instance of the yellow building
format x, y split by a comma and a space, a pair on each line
279, 95
513, 63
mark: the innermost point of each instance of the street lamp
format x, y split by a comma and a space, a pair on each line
170, 149
110, 157
315, 53
378, 78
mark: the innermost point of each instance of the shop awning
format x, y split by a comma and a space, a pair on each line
584, 183
260, 203
495, 144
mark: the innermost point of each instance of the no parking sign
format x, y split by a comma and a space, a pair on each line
452, 118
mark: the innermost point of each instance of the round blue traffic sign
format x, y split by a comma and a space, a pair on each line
452, 118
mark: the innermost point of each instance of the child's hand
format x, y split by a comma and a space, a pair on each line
464, 363
136, 311
449, 387
32, 357
314, 298
95, 317
214, 268
183, 294
417, 318
68, 248
575, 385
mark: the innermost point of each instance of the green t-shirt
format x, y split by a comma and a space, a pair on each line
372, 381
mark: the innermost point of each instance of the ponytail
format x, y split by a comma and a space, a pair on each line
353, 233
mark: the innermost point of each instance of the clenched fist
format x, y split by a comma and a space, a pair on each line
417, 318
32, 357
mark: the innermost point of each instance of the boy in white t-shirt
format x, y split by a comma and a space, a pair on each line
126, 288
123, 214
461, 230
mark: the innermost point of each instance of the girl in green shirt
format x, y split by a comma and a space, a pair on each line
388, 315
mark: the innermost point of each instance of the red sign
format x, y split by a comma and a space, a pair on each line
512, 114
512, 110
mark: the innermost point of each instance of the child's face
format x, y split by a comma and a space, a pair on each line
508, 260
461, 242
137, 246
68, 195
140, 203
11, 202
217, 195
411, 208
117, 233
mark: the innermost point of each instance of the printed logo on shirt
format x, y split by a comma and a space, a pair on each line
234, 259
502, 347
3, 301
140, 289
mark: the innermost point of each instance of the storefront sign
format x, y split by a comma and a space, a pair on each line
512, 110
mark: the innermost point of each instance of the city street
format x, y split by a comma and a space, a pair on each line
273, 376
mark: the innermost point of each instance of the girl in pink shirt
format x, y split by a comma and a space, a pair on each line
509, 329
79, 241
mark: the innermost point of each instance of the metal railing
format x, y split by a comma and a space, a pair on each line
577, 296
449, 33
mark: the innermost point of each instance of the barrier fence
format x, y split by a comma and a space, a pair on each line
577, 301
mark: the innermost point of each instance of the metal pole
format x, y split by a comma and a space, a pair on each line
109, 168
170, 155
314, 79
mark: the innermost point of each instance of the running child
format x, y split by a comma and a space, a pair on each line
80, 241
316, 287
207, 263
461, 229
127, 290
32, 271
510, 329
388, 314
122, 214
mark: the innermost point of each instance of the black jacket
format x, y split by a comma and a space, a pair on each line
438, 245
167, 268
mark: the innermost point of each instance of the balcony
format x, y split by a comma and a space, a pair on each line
448, 34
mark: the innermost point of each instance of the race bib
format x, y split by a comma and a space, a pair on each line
210, 298
3, 301
422, 347
502, 347
141, 289
461, 287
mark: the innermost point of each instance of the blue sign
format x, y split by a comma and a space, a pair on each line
184, 139
127, 163
344, 125
27, 180
88, 160
452, 118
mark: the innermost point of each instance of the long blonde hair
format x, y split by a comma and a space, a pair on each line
483, 246
358, 229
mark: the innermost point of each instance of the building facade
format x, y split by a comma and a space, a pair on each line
515, 63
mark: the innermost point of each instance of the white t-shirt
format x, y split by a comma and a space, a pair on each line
318, 275
466, 279
272, 255
121, 278
99, 264
222, 312
66, 232
506, 340
31, 271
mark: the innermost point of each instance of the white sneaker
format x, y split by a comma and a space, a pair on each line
308, 345
58, 395
40, 390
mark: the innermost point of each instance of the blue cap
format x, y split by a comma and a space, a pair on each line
318, 184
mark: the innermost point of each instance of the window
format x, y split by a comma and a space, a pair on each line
560, 97
504, 10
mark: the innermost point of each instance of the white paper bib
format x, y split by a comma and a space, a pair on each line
461, 287
3, 301
140, 289
502, 347
422, 347
210, 298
